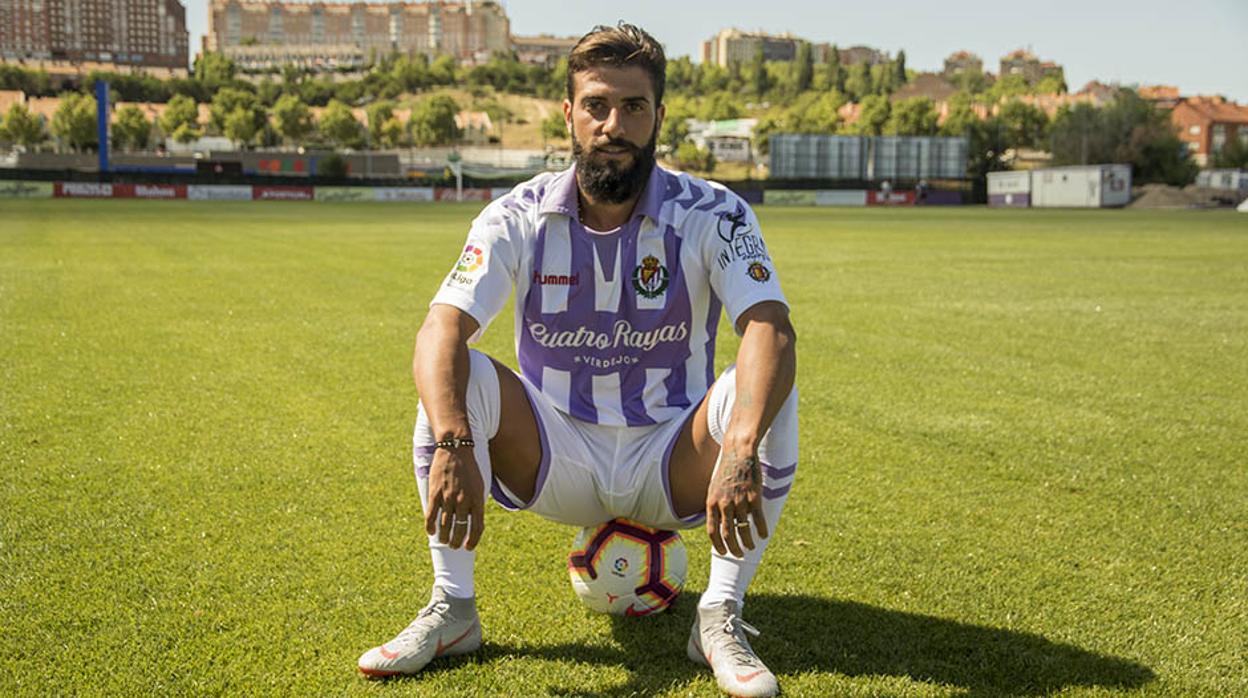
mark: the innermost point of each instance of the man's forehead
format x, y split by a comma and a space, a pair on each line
622, 82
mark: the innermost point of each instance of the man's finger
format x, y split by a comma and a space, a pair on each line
477, 526
444, 524
431, 512
728, 527
459, 526
747, 540
712, 529
760, 519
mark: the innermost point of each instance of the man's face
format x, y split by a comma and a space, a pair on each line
614, 123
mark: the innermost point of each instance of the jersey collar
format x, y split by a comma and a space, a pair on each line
561, 197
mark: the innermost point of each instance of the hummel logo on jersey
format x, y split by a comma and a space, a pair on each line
540, 279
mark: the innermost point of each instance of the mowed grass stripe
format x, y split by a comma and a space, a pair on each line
1022, 461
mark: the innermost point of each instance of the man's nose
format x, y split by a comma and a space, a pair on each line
613, 127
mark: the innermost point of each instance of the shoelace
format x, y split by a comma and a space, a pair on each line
740, 650
440, 608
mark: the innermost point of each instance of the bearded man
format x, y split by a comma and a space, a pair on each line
621, 270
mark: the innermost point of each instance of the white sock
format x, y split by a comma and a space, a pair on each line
453, 568
730, 575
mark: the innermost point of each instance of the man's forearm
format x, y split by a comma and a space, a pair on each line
440, 368
766, 369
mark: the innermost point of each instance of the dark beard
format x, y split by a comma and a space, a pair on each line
605, 181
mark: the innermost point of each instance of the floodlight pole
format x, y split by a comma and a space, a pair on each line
101, 123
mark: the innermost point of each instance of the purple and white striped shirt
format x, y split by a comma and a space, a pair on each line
616, 328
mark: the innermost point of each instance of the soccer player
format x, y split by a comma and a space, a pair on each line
621, 270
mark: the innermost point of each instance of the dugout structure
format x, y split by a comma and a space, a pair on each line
868, 158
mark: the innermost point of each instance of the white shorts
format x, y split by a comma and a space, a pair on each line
592, 473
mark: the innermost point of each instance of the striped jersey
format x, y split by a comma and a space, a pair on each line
616, 327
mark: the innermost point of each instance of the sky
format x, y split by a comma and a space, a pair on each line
1201, 46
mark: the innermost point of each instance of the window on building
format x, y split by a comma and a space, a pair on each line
1243, 134
1219, 138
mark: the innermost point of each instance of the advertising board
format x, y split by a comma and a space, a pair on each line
218, 192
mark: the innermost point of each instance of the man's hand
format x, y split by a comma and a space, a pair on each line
456, 498
735, 495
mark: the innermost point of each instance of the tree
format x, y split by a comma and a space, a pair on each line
292, 119
378, 113
759, 78
339, 126
392, 133
240, 126
1127, 130
858, 82
442, 72
1235, 153
555, 128
690, 157
805, 67
832, 75
22, 127
1008, 86
214, 70
181, 119
74, 121
961, 116
229, 100
718, 107
899, 69
912, 117
131, 130
874, 111
1025, 125
433, 121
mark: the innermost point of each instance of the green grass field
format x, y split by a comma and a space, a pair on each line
1024, 472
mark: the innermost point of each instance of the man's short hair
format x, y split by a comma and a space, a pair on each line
619, 46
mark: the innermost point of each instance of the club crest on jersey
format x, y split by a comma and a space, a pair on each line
732, 224
650, 277
759, 272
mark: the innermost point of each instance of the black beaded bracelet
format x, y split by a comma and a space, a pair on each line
455, 443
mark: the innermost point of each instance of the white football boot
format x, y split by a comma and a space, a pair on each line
447, 626
718, 641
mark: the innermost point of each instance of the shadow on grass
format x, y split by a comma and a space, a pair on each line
804, 634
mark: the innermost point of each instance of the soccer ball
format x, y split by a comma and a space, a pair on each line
625, 568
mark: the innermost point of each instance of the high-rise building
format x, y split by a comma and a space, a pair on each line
147, 33
732, 46
327, 35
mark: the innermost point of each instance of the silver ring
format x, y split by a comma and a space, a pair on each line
743, 524
461, 521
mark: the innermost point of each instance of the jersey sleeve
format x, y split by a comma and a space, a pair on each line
482, 278
740, 266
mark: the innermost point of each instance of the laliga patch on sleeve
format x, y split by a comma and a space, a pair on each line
470, 267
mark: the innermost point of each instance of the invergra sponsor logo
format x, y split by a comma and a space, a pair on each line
743, 247
621, 334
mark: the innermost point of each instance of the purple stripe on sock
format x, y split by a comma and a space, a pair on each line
422, 471
769, 493
424, 450
779, 473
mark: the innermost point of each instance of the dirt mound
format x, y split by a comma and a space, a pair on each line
1161, 196
1192, 196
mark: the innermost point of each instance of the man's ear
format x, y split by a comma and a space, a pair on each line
567, 115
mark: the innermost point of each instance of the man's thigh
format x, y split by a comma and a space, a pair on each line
541, 462
695, 452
